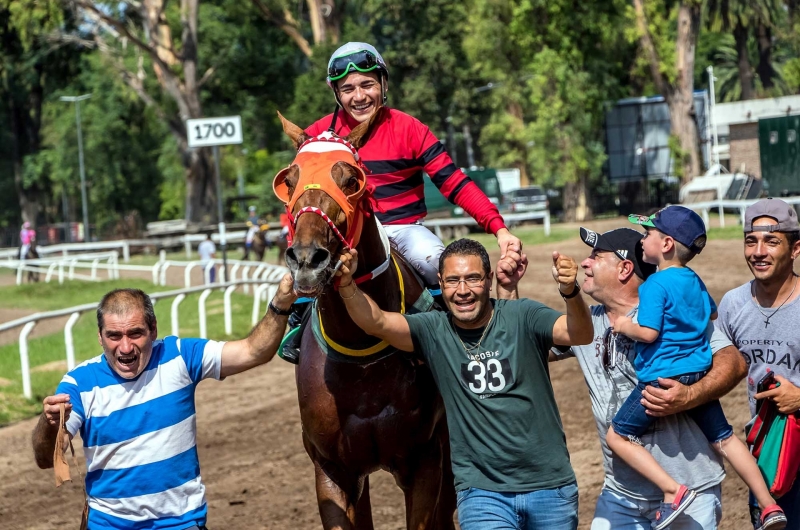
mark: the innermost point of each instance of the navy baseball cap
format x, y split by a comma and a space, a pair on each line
678, 222
626, 243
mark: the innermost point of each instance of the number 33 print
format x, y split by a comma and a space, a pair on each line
487, 376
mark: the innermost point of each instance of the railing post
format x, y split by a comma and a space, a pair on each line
164, 268
246, 276
156, 266
187, 246
721, 212
72, 263
187, 274
174, 314
547, 223
234, 272
61, 271
201, 313
227, 308
70, 343
50, 270
257, 290
95, 263
162, 255
23, 359
207, 272
20, 268
706, 220
126, 251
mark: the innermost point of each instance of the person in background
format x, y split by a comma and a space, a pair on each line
253, 227
207, 249
26, 238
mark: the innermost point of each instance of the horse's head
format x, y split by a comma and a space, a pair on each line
326, 180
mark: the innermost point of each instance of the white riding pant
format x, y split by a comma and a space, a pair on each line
251, 234
420, 247
23, 251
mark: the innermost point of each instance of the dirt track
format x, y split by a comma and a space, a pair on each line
258, 475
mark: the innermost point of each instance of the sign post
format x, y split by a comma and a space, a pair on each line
213, 132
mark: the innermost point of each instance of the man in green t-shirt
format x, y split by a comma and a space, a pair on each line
489, 359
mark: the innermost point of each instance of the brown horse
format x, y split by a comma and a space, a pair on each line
361, 411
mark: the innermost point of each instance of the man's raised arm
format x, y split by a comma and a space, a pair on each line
262, 343
574, 328
388, 326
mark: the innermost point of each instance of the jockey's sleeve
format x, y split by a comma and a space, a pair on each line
454, 184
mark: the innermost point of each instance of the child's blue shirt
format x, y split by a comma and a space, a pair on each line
676, 303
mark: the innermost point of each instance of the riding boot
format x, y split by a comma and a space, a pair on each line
289, 349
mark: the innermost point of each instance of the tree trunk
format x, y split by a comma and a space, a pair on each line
25, 122
515, 110
680, 99
577, 207
766, 72
740, 34
326, 19
201, 196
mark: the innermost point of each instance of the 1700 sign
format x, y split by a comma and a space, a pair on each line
214, 131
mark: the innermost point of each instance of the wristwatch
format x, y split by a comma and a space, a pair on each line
573, 294
281, 312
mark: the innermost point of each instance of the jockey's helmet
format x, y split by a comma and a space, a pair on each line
360, 57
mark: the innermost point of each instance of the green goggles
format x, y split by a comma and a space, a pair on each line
362, 61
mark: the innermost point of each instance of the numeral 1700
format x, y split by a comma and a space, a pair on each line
218, 129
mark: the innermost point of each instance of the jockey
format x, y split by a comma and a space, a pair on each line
252, 230
26, 237
400, 148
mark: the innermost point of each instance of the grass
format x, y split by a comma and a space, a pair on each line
51, 348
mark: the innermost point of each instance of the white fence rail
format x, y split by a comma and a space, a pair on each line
264, 289
720, 205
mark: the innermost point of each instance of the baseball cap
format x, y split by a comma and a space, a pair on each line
777, 209
678, 222
626, 243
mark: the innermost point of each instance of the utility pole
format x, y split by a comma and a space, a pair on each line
713, 121
84, 201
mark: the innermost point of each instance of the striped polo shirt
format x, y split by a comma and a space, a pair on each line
139, 436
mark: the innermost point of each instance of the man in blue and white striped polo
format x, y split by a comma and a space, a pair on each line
134, 409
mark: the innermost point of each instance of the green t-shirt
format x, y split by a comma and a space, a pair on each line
505, 430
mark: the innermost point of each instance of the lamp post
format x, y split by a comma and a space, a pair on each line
713, 121
84, 202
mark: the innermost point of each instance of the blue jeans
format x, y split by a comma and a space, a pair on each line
615, 511
790, 503
553, 509
631, 419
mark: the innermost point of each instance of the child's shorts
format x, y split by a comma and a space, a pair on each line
631, 419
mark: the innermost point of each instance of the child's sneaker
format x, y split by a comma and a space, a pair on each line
773, 518
669, 511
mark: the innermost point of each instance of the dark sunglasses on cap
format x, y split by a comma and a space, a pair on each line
362, 61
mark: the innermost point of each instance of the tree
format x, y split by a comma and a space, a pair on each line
30, 70
674, 79
147, 26
324, 16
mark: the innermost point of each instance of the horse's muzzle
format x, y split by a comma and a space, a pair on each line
310, 267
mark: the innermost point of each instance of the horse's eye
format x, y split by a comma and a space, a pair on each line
352, 182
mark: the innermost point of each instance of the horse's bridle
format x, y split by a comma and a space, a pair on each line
318, 155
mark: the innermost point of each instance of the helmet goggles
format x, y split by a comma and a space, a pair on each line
362, 61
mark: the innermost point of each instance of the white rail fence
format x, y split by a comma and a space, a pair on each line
64, 268
741, 205
263, 289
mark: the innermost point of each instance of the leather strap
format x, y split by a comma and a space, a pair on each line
60, 465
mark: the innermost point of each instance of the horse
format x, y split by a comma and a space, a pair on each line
33, 275
362, 407
262, 243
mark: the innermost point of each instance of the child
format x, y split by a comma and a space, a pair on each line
674, 310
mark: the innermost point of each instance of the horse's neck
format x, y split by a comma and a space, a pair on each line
383, 289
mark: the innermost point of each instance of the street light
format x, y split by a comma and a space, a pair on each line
84, 202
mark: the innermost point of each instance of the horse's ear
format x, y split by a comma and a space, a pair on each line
358, 136
295, 133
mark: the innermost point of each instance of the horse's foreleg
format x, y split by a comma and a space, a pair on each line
428, 488
343, 502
